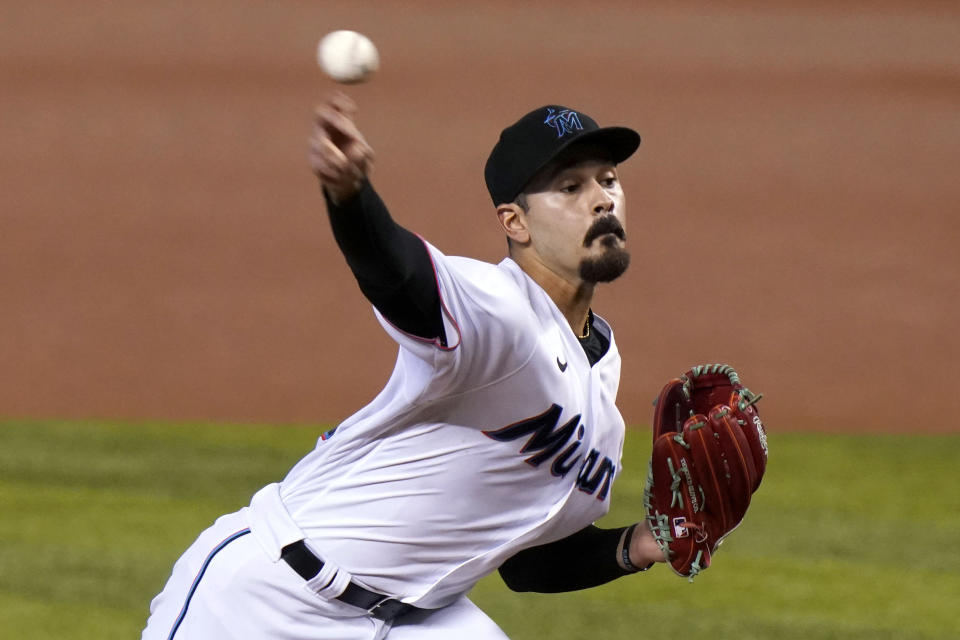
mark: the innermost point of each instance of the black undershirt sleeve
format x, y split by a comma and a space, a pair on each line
585, 559
391, 264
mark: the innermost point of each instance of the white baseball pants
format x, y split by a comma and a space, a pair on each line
224, 587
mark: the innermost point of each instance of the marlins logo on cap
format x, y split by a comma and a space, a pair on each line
566, 121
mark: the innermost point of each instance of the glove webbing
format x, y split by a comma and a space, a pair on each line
747, 397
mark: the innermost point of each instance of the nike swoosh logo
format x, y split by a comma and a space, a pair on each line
562, 365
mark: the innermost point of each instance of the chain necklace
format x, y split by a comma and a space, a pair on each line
586, 333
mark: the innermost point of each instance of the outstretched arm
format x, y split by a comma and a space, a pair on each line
391, 264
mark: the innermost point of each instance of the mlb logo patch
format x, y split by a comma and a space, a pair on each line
680, 531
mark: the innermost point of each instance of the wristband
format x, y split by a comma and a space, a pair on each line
625, 553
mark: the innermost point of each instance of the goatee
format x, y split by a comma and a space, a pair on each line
606, 267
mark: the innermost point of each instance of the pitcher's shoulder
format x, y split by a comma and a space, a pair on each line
486, 281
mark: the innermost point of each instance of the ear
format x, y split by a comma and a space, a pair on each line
514, 222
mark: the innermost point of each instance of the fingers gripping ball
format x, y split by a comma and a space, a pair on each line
709, 456
347, 56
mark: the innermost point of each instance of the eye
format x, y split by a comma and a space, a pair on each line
608, 181
569, 187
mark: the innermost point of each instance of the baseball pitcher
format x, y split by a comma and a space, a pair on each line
496, 440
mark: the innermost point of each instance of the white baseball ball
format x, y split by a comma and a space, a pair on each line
347, 56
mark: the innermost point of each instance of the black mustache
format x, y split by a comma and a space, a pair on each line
603, 226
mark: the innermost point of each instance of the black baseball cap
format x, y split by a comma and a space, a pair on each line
528, 145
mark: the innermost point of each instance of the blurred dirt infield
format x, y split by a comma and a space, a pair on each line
164, 252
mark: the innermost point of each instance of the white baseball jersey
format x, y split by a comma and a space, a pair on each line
503, 439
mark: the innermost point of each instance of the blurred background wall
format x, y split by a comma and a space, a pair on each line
792, 210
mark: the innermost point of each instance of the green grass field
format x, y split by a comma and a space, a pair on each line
849, 536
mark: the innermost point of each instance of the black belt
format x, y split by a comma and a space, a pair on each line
308, 565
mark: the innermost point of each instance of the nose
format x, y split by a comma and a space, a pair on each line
603, 202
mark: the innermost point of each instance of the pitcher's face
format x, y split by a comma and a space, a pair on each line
577, 217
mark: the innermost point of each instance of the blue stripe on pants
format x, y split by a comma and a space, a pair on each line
196, 581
